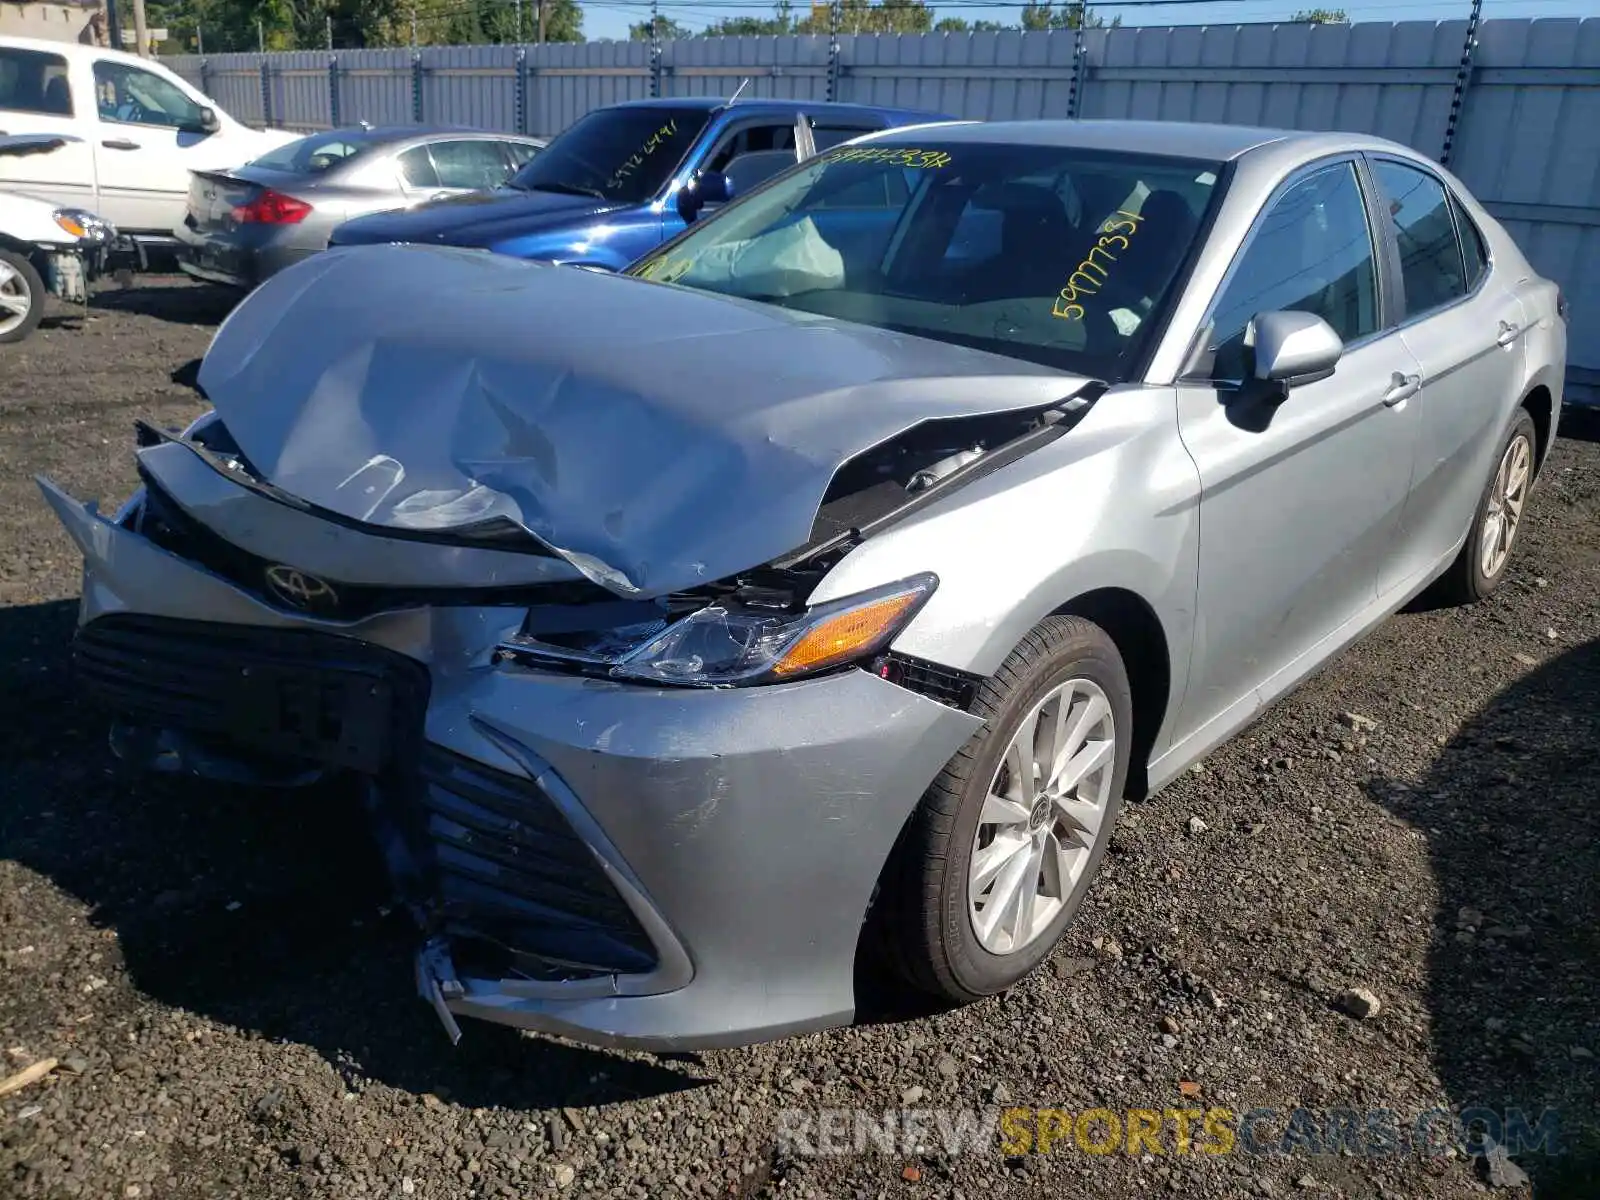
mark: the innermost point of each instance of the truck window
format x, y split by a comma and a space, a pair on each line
32, 81
133, 96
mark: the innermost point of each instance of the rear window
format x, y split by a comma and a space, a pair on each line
315, 154
35, 82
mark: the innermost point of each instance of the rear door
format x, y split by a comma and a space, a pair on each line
37, 96
1466, 329
1300, 500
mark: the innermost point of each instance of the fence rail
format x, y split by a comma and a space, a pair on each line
1517, 110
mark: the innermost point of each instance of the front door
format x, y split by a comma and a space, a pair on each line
1300, 500
146, 141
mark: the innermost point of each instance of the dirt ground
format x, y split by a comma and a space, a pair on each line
232, 1007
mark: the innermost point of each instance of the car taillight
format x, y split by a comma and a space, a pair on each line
272, 208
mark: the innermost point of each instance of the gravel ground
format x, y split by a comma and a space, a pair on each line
231, 1004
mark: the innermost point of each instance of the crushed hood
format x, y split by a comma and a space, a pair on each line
656, 437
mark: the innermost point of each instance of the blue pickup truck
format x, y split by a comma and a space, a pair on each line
621, 180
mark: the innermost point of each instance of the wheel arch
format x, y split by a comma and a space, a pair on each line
1540, 404
1132, 625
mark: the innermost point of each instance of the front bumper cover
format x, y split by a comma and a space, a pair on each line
743, 830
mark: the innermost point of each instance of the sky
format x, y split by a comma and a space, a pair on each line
611, 18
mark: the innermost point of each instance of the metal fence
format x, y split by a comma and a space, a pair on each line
1513, 105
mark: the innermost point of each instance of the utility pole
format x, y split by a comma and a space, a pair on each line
540, 3
261, 37
330, 31
139, 29
413, 26
113, 25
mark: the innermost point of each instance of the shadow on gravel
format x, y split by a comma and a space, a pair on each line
263, 910
1579, 424
173, 299
1511, 810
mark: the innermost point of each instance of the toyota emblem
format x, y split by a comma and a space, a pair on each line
299, 590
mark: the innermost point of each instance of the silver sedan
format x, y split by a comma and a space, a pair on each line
819, 588
244, 225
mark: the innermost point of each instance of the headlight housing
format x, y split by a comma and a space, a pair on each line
726, 645
81, 223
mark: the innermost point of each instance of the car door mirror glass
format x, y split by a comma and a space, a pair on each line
1294, 348
703, 188
207, 122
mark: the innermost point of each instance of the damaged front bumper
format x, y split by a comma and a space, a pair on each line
617, 863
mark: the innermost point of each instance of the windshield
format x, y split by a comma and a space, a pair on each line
620, 154
313, 154
1053, 254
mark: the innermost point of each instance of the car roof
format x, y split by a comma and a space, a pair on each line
77, 50
1175, 139
379, 134
785, 105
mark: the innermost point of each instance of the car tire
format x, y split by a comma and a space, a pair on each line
1475, 574
20, 280
935, 903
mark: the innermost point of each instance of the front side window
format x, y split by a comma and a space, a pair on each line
1430, 257
863, 234
625, 155
472, 164
751, 139
1310, 252
34, 82
132, 96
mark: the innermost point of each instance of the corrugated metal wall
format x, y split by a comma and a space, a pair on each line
1527, 141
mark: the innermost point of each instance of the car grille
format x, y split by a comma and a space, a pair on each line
164, 522
299, 694
517, 890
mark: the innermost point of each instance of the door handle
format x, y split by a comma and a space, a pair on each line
1401, 389
119, 144
1508, 333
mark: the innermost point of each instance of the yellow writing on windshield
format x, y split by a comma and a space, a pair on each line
895, 155
651, 144
1090, 273
666, 270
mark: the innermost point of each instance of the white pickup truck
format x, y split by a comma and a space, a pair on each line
138, 129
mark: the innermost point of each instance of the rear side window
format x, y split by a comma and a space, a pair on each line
35, 82
1474, 254
1430, 257
416, 168
826, 137
1312, 252
470, 164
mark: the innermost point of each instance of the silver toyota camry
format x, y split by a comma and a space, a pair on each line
821, 586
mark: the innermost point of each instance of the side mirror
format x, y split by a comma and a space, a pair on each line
207, 123
703, 188
1294, 348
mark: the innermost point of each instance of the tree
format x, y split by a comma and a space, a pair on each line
861, 16
958, 25
1046, 15
1322, 16
779, 23
667, 30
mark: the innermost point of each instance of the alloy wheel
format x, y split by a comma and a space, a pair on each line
1506, 500
16, 298
1042, 816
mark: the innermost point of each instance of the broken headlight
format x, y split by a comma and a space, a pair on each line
725, 644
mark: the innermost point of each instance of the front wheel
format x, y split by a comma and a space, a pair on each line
1481, 566
21, 297
1000, 853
